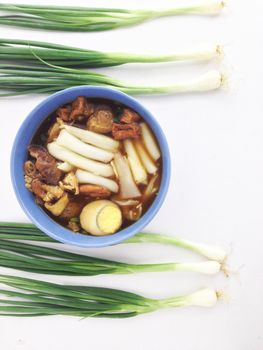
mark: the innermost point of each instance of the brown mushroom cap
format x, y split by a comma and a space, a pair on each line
101, 121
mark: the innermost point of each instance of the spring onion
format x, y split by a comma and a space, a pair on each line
93, 19
49, 260
40, 298
19, 80
21, 231
27, 51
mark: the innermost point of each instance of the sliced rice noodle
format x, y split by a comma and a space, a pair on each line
114, 169
71, 142
93, 138
152, 187
134, 213
85, 177
147, 162
125, 202
128, 187
138, 171
66, 167
78, 161
150, 142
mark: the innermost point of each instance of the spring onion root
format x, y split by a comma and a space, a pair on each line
39, 298
93, 19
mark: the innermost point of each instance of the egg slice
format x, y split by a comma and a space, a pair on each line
101, 218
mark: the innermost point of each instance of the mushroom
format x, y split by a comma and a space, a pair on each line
101, 121
46, 192
53, 131
57, 208
70, 183
53, 192
73, 226
72, 210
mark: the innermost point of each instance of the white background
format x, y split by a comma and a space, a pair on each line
215, 194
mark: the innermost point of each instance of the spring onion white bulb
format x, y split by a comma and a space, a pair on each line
209, 251
207, 267
78, 161
71, 142
93, 138
200, 8
205, 297
202, 52
85, 177
211, 80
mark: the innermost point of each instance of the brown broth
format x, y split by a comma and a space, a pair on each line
40, 138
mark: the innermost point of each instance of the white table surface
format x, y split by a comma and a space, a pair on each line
215, 194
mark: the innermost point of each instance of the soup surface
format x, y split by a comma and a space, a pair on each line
94, 166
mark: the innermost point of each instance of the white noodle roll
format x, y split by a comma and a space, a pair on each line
78, 161
147, 162
128, 187
138, 171
85, 177
101, 141
66, 167
150, 142
65, 139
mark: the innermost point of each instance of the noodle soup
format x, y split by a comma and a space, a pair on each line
94, 166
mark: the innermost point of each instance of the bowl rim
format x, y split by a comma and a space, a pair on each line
45, 222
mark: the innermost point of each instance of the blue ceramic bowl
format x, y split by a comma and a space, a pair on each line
19, 155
